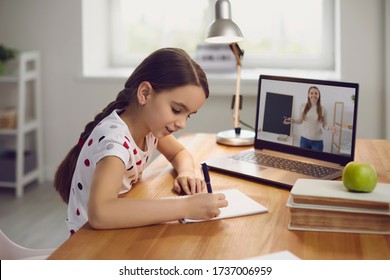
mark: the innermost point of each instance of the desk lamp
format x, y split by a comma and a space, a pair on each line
224, 31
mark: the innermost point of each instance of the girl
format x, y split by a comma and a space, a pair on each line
314, 118
114, 149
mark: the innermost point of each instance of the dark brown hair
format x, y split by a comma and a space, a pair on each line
164, 69
308, 105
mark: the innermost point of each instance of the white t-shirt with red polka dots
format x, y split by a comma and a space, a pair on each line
111, 137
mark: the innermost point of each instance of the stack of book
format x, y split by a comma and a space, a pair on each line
322, 205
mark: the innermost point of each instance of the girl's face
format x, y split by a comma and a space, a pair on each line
313, 95
168, 111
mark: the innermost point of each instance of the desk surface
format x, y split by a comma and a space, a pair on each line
234, 238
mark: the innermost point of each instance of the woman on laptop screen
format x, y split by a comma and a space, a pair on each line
313, 117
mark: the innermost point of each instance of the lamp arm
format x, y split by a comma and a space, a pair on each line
238, 53
237, 101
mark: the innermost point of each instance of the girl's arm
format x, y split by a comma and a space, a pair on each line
106, 210
188, 178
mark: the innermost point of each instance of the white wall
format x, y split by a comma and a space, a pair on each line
54, 28
387, 68
362, 60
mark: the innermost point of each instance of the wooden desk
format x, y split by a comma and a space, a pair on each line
234, 238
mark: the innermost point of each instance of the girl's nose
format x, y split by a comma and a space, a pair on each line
181, 123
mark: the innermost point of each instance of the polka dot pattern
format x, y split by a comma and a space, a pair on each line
110, 137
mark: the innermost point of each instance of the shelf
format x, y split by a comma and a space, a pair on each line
28, 127
28, 76
27, 178
340, 142
9, 79
8, 131
23, 169
338, 115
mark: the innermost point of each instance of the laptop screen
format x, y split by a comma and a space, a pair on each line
307, 117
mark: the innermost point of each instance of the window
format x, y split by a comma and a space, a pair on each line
297, 34
140, 27
285, 33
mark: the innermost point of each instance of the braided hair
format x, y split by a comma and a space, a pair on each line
164, 69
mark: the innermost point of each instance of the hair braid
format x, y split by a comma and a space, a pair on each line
64, 174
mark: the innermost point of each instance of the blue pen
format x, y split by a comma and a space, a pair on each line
207, 177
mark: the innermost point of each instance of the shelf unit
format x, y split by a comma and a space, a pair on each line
338, 114
28, 131
344, 131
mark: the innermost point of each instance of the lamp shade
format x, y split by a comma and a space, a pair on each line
223, 30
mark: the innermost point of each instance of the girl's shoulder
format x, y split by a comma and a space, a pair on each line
111, 128
111, 122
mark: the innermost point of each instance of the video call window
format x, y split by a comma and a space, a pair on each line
286, 118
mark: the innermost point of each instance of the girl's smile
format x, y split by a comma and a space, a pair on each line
168, 131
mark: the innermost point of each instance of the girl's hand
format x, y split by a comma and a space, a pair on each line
188, 183
205, 206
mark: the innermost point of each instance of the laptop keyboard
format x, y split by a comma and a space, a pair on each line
309, 169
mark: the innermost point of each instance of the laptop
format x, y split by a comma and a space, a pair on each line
290, 144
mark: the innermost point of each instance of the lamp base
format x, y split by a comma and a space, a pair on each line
230, 138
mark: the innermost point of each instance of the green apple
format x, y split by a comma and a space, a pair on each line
359, 177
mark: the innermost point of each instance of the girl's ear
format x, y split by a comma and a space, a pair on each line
143, 92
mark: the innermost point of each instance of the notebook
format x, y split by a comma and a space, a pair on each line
239, 204
278, 139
